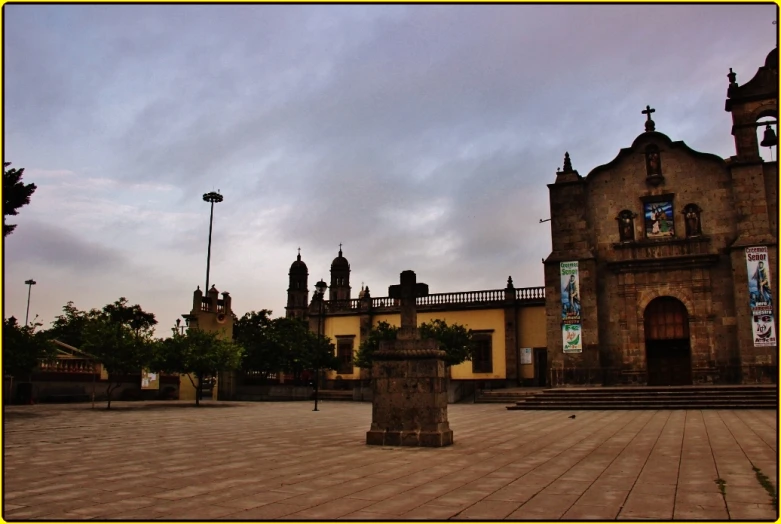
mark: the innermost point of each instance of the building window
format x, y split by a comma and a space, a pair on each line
482, 362
344, 352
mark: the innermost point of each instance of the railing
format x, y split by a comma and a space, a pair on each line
465, 297
220, 305
205, 304
383, 302
462, 297
342, 305
530, 293
68, 366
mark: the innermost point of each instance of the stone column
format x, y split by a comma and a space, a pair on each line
409, 399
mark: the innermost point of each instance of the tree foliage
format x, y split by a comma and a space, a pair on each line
369, 346
256, 332
455, 340
197, 354
24, 348
15, 194
119, 336
282, 345
70, 326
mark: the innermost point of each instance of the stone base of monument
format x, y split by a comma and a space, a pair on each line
409, 403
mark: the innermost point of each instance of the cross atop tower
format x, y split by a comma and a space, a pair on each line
649, 124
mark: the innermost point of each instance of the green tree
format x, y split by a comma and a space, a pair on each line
70, 326
24, 348
120, 337
365, 356
259, 336
15, 194
197, 354
455, 340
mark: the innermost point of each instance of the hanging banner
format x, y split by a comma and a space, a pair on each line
571, 334
759, 290
760, 297
570, 292
764, 330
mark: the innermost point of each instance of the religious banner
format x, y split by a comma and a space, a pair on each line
573, 342
760, 297
570, 292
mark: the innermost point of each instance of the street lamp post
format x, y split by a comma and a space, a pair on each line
30, 283
320, 287
212, 198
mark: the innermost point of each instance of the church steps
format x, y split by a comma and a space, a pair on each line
682, 397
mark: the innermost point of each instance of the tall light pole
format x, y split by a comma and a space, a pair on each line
320, 288
211, 198
30, 283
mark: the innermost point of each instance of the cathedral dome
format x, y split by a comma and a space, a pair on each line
340, 262
298, 267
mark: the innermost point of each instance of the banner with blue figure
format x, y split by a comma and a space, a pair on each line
760, 297
570, 293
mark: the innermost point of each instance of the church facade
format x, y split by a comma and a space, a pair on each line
508, 325
662, 259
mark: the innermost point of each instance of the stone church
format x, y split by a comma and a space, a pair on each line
664, 258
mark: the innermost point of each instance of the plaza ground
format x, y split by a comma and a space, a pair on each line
263, 461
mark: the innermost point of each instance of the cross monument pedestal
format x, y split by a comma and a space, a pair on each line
409, 381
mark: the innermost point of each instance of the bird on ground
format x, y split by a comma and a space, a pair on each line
571, 416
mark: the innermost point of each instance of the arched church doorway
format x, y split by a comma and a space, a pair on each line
667, 349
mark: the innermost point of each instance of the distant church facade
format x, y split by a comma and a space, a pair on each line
663, 260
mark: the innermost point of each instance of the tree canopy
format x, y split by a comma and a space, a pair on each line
455, 340
197, 354
24, 348
15, 195
281, 345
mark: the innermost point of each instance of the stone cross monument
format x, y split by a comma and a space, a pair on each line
409, 404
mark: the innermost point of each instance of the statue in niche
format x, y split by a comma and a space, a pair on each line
626, 226
653, 162
691, 218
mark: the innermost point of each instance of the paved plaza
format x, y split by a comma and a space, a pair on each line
263, 461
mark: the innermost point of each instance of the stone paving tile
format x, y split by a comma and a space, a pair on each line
587, 512
487, 510
739, 511
700, 513
282, 461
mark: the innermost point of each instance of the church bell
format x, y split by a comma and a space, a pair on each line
770, 138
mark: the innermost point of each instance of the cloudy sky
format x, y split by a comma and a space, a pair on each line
420, 136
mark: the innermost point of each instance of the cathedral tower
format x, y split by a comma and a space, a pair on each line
297, 293
340, 278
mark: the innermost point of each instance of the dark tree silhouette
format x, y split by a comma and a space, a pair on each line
15, 195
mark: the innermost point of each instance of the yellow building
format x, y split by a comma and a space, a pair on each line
508, 326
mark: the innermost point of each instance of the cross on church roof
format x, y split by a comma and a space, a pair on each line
649, 124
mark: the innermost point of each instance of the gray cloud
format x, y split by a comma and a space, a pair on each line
420, 136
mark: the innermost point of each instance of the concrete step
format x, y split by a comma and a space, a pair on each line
672, 397
655, 405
